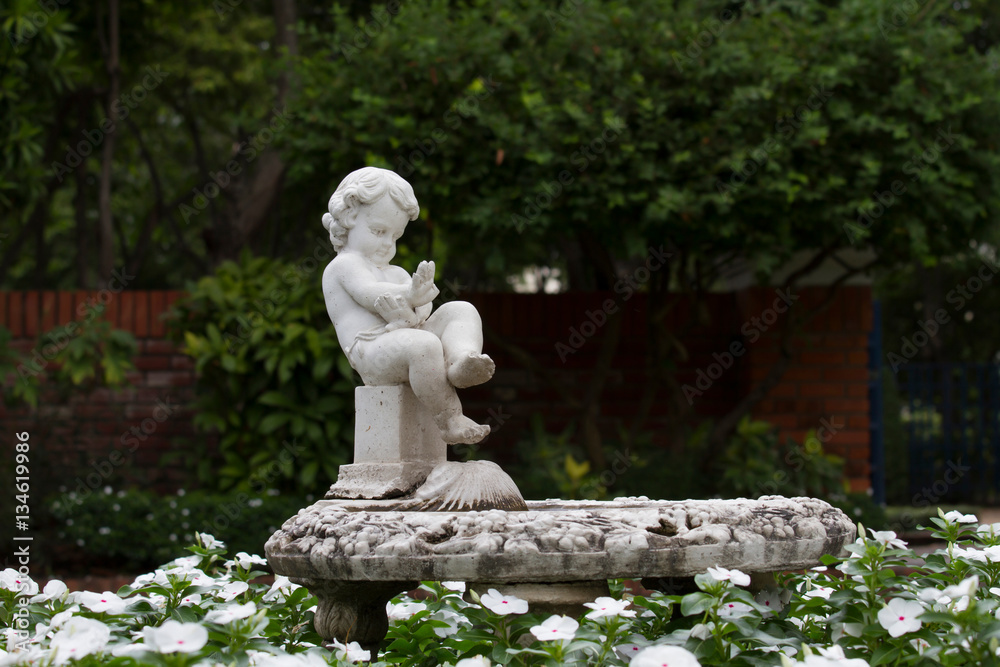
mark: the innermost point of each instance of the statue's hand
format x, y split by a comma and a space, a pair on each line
397, 313
422, 287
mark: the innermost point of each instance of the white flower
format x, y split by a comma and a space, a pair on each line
966, 588
231, 590
665, 656
230, 613
992, 553
307, 659
475, 661
605, 607
451, 618
246, 561
352, 652
209, 541
771, 599
54, 589
556, 627
819, 592
175, 637
106, 601
403, 610
185, 563
158, 577
823, 661
703, 631
282, 586
628, 651
955, 516
735, 576
989, 530
79, 637
503, 604
732, 608
12, 580
888, 538
458, 587
970, 554
189, 600
56, 622
900, 616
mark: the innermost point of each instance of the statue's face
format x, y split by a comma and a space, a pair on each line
376, 229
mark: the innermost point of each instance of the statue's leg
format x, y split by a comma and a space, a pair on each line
460, 329
354, 611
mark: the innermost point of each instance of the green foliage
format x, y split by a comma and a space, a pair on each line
77, 357
272, 379
755, 463
135, 528
550, 465
487, 103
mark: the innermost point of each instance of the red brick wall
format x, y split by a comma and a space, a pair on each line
825, 385
105, 437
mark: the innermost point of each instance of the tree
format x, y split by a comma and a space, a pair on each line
140, 133
719, 131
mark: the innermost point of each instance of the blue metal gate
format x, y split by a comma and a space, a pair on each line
952, 414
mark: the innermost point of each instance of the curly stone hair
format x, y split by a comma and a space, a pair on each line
365, 186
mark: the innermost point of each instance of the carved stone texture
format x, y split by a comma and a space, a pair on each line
354, 611
556, 540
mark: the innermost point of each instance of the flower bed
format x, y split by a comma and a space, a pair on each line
206, 610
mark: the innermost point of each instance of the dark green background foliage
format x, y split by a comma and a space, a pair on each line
273, 381
137, 529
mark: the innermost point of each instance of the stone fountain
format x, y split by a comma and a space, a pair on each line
401, 513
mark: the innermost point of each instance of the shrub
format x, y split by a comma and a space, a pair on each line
136, 529
271, 375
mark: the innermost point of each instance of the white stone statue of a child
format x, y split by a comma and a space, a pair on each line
383, 316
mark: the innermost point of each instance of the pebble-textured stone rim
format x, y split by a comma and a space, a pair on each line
557, 540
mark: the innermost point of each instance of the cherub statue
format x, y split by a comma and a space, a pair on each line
383, 316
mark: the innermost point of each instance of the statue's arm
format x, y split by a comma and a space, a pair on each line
361, 286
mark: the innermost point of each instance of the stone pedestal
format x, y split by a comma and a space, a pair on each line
396, 445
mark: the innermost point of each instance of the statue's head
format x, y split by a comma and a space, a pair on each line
362, 188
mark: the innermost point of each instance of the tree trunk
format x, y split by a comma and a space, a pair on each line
106, 254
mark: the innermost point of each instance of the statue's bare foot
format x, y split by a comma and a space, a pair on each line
459, 429
470, 370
